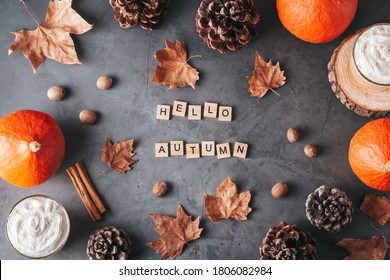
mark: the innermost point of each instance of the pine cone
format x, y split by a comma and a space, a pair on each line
108, 243
288, 242
227, 24
147, 12
329, 209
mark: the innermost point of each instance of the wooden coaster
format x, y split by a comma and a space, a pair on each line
354, 91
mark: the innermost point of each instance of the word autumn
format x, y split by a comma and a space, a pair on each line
211, 110
196, 150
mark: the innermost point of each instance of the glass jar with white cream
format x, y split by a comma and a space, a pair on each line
38, 226
371, 54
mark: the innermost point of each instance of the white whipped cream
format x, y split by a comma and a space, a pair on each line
38, 226
372, 54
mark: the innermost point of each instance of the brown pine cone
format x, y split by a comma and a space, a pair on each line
108, 243
227, 24
288, 242
329, 209
146, 12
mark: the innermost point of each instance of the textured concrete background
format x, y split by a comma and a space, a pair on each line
128, 111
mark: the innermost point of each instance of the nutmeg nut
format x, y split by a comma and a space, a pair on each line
87, 116
104, 82
160, 189
56, 93
292, 135
279, 190
310, 151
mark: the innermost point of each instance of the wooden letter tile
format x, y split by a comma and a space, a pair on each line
208, 148
192, 150
161, 150
163, 112
223, 151
194, 112
210, 110
179, 108
225, 113
177, 148
240, 150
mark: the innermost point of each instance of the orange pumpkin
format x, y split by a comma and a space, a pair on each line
32, 147
316, 21
369, 154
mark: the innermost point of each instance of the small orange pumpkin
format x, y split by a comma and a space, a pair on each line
316, 21
369, 154
32, 148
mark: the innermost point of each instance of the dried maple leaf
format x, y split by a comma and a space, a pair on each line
173, 68
360, 249
51, 39
377, 208
118, 155
265, 76
174, 233
227, 203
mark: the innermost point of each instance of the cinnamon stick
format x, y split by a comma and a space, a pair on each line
80, 184
89, 186
81, 193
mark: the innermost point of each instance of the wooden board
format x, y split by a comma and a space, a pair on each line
355, 92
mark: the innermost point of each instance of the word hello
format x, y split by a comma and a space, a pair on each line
211, 110
196, 150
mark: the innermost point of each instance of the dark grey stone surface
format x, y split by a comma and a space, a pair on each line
128, 111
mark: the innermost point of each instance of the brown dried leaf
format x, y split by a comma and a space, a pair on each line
360, 249
51, 39
227, 203
118, 155
265, 76
376, 207
173, 68
174, 233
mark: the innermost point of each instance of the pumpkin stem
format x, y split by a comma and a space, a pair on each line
35, 146
387, 167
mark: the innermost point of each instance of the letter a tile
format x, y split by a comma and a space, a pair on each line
161, 150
